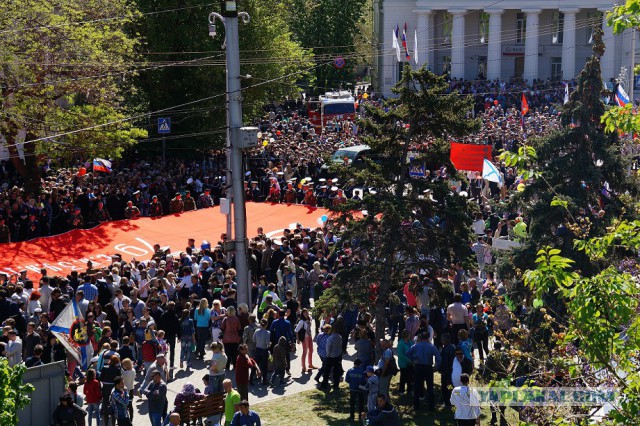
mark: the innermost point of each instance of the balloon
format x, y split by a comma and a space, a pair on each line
265, 143
303, 181
82, 171
495, 102
278, 133
320, 222
520, 187
365, 96
324, 218
259, 135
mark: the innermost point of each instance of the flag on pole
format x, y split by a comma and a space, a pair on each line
566, 92
404, 42
396, 43
101, 165
491, 173
70, 329
415, 47
621, 96
524, 109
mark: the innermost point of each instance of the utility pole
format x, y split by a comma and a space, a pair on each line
234, 123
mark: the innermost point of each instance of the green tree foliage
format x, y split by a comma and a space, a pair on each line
329, 28
188, 65
573, 173
13, 393
602, 314
415, 223
623, 17
63, 66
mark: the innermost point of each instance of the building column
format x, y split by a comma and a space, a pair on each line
569, 44
457, 45
425, 38
494, 49
607, 62
531, 45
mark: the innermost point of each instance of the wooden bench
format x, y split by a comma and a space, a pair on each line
211, 405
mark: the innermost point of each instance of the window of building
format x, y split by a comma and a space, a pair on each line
521, 27
594, 21
446, 64
556, 68
447, 27
484, 28
558, 28
482, 67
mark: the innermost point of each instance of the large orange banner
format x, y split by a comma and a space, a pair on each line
61, 254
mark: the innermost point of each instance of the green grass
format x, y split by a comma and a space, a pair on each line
315, 407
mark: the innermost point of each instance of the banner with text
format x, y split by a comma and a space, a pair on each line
469, 157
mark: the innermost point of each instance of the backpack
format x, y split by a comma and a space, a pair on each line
393, 369
104, 294
302, 333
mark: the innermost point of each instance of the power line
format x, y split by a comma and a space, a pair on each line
112, 18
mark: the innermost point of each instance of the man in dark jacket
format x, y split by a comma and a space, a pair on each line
170, 323
446, 368
384, 415
156, 392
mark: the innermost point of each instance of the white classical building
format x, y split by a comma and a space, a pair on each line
497, 39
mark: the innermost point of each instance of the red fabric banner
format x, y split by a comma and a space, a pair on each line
469, 157
60, 254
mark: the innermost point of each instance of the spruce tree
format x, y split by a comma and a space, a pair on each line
406, 223
581, 181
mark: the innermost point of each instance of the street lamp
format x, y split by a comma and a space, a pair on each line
236, 141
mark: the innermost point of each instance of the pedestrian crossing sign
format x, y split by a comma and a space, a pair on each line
164, 125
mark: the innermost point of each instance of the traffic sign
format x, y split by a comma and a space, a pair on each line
164, 125
339, 62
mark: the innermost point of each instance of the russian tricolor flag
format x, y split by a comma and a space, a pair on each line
621, 96
101, 165
404, 42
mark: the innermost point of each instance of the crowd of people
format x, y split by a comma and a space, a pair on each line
147, 318
285, 167
144, 317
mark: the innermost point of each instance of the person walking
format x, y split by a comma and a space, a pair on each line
466, 402
187, 338
303, 335
262, 340
231, 402
244, 363
334, 361
371, 387
218, 369
232, 335
245, 417
356, 377
202, 316
119, 403
405, 364
156, 393
282, 328
426, 359
385, 364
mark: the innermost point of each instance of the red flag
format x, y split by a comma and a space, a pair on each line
468, 156
525, 105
